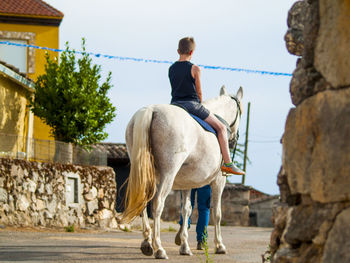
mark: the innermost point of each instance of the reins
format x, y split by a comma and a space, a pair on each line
233, 143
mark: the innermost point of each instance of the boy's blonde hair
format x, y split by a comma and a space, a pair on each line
186, 45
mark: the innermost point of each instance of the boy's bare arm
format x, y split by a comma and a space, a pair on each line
196, 74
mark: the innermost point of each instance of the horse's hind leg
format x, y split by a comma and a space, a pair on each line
146, 245
183, 232
158, 205
163, 189
217, 188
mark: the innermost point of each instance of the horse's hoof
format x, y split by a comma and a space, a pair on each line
185, 250
178, 239
160, 254
220, 250
146, 248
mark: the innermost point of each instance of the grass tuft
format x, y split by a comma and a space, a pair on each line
69, 228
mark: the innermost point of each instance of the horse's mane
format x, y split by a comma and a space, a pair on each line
213, 103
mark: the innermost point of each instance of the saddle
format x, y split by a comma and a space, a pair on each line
206, 126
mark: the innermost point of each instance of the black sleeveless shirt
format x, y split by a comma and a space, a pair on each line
183, 86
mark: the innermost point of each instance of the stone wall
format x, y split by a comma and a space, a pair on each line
234, 206
46, 194
312, 221
260, 211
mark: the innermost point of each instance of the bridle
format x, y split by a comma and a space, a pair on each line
232, 143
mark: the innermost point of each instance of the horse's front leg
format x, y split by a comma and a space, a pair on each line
217, 188
183, 232
146, 245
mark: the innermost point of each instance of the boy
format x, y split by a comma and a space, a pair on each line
186, 90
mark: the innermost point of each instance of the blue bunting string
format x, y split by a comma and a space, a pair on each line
252, 71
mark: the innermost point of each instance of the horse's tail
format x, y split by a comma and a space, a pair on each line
142, 182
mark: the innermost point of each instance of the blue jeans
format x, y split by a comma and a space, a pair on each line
203, 203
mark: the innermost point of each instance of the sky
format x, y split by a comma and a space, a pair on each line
232, 33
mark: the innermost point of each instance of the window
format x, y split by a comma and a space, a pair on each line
22, 58
14, 55
73, 189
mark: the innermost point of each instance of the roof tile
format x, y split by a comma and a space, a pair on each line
29, 7
114, 150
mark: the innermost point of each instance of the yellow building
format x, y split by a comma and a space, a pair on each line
16, 125
32, 22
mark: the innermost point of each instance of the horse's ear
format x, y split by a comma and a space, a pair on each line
239, 95
223, 90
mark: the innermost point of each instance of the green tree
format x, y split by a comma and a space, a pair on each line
239, 155
70, 99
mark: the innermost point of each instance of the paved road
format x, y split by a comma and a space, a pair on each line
244, 244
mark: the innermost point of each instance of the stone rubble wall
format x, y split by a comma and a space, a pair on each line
312, 221
234, 206
34, 194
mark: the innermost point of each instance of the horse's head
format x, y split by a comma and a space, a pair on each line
234, 113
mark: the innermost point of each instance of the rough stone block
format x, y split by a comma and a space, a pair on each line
91, 195
3, 195
105, 214
17, 171
113, 224
22, 203
52, 206
48, 215
41, 188
332, 56
316, 152
30, 186
338, 243
305, 83
90, 220
92, 206
282, 183
286, 255
2, 181
312, 218
40, 205
100, 193
35, 177
105, 203
48, 189
279, 219
296, 20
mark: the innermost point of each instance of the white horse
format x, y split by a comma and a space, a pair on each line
169, 150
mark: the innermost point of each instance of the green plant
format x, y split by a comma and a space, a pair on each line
69, 228
266, 257
126, 229
71, 100
171, 229
205, 247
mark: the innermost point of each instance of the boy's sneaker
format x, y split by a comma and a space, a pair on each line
231, 169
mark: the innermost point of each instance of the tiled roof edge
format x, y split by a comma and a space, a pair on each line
26, 83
